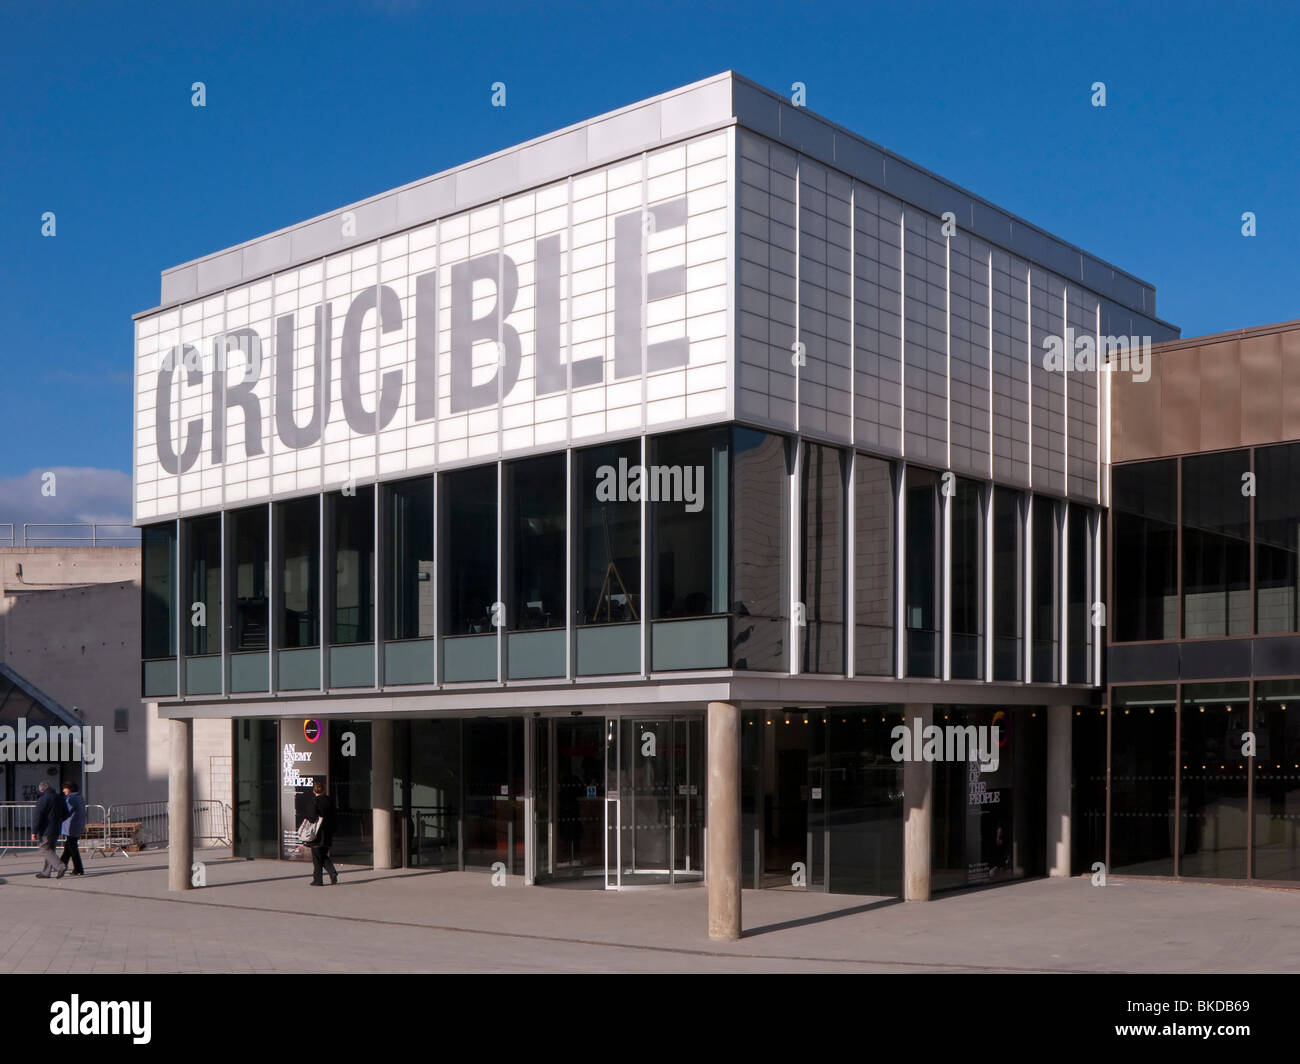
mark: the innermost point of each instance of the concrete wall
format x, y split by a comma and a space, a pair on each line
70, 625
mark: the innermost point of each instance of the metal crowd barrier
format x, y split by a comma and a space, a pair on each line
111, 829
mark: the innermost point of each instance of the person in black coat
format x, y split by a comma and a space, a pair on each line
73, 828
322, 808
50, 814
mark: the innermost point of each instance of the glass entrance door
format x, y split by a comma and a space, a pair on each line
570, 798
795, 827
654, 808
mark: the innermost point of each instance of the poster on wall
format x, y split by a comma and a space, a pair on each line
988, 805
304, 758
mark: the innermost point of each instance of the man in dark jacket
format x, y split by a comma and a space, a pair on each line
50, 814
322, 808
73, 828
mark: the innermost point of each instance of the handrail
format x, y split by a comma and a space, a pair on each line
114, 534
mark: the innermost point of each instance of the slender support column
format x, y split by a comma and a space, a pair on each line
381, 790
918, 806
1060, 725
723, 853
180, 805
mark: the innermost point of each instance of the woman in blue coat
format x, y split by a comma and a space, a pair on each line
73, 828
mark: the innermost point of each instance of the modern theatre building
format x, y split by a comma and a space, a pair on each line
602, 508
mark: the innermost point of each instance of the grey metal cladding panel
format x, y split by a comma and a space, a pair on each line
859, 159
701, 106
755, 109
220, 272
317, 239
565, 154
497, 176
991, 224
180, 284
752, 147
912, 186
427, 200
272, 253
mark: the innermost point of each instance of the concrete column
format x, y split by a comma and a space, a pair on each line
918, 811
180, 805
1060, 758
723, 852
381, 790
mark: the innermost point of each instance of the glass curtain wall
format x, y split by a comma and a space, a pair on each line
760, 534
467, 573
1144, 513
256, 770
1216, 545
922, 577
821, 558
607, 559
201, 620
1142, 779
250, 587
408, 561
1212, 806
1008, 584
873, 517
1078, 616
1045, 622
297, 543
158, 609
1277, 538
967, 580
352, 587
535, 497
1277, 780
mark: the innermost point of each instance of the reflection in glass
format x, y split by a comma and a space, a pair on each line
759, 557
468, 549
1212, 828
203, 547
821, 570
1277, 538
257, 792
873, 516
608, 536
252, 577
1008, 584
922, 576
1045, 622
352, 592
408, 569
1145, 550
1142, 780
158, 585
1216, 545
1277, 779
535, 490
689, 492
299, 549
967, 580
1079, 594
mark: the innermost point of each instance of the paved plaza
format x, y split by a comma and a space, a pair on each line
261, 916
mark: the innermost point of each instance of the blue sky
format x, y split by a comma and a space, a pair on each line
311, 106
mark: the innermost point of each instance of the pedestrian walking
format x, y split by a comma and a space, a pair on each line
73, 828
322, 808
50, 814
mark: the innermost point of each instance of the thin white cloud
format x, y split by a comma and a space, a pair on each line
82, 495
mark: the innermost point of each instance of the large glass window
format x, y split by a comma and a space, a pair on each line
249, 538
873, 517
1277, 779
1008, 584
967, 580
468, 550
1145, 551
922, 582
299, 548
202, 626
535, 542
1142, 780
759, 555
821, 561
687, 484
1045, 623
408, 568
1079, 561
1212, 831
1216, 545
1277, 538
352, 588
158, 581
608, 535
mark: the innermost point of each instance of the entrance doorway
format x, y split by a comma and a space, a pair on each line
620, 800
